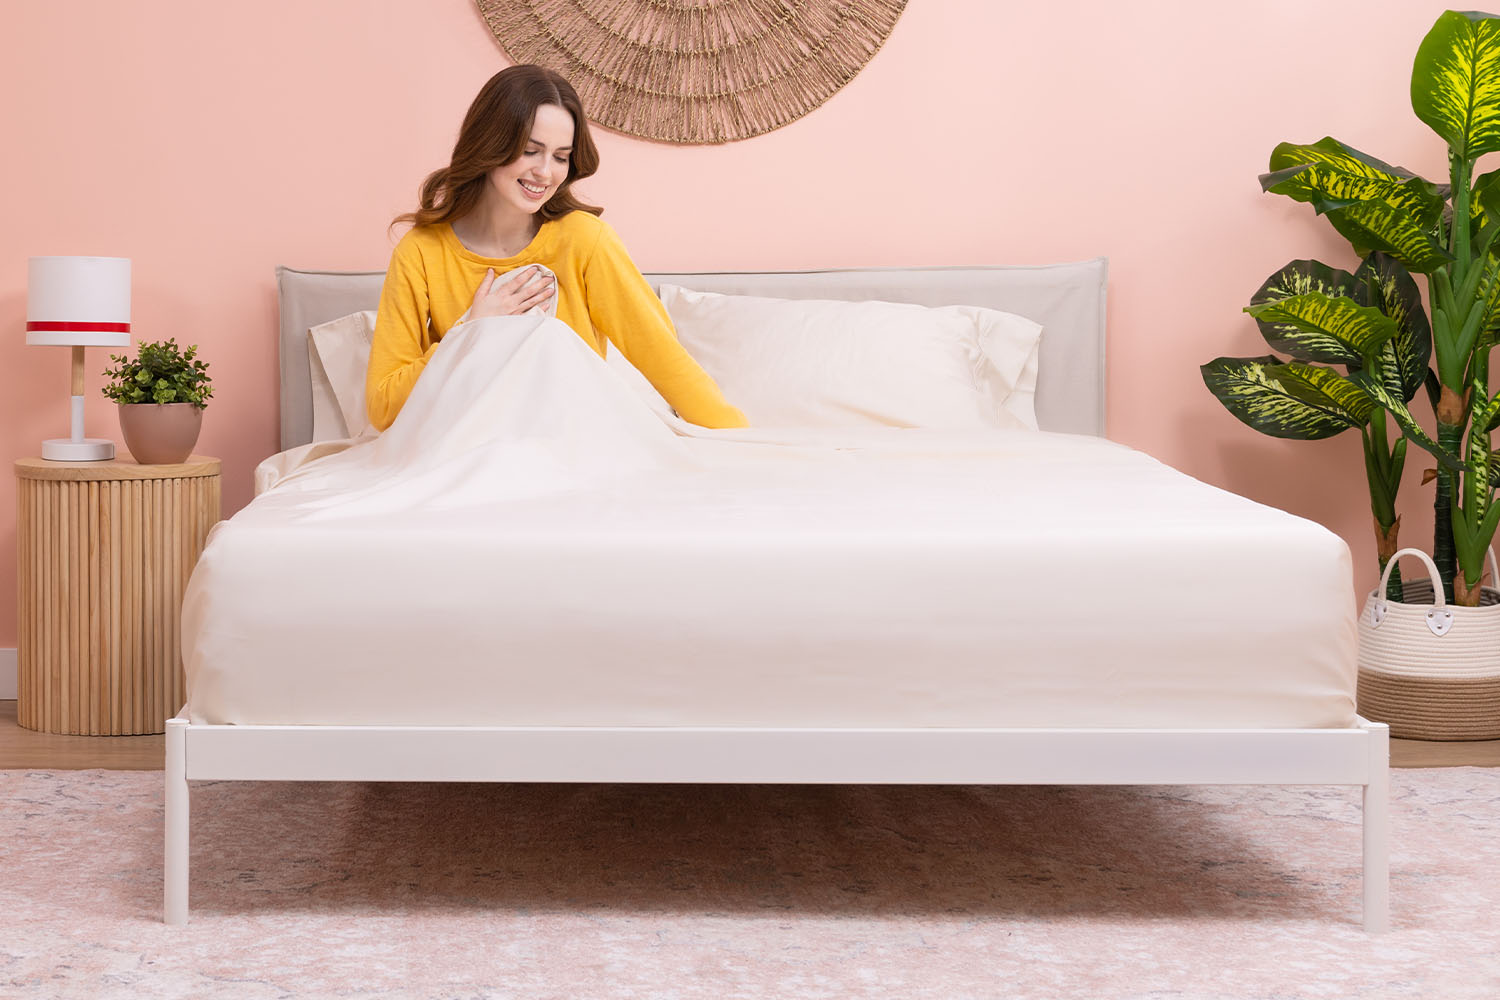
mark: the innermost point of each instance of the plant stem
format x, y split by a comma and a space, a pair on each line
1452, 365
1387, 544
1462, 173
1450, 437
1385, 480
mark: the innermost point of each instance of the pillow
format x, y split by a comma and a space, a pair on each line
824, 363
338, 355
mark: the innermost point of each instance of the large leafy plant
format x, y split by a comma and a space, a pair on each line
160, 373
1371, 323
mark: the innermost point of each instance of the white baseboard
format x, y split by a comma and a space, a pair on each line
8, 675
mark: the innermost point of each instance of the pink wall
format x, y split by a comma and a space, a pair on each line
211, 142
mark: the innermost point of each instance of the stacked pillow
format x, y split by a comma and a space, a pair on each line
823, 363
338, 355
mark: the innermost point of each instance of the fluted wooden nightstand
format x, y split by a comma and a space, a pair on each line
104, 552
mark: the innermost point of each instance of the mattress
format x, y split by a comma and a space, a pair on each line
531, 545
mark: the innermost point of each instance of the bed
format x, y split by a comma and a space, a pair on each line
839, 642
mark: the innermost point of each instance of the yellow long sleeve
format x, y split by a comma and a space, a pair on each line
624, 308
600, 295
401, 345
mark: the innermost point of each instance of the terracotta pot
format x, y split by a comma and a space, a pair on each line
160, 433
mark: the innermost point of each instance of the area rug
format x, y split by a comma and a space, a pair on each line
591, 891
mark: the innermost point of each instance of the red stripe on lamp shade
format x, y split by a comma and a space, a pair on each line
36, 326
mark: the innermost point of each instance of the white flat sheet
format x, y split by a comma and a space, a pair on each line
529, 544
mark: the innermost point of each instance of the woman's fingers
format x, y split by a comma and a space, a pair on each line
546, 288
520, 291
485, 284
532, 291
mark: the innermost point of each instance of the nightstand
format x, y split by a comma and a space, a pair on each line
104, 552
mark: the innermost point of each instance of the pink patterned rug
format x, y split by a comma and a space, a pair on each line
470, 891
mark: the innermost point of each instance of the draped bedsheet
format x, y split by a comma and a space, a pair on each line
535, 542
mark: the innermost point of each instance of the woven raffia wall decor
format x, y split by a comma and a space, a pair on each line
696, 71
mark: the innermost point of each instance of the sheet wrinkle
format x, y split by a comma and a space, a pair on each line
507, 407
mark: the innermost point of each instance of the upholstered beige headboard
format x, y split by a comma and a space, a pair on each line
1067, 299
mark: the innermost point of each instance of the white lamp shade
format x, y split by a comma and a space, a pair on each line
79, 301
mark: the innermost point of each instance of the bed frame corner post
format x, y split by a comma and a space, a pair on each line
1377, 796
175, 862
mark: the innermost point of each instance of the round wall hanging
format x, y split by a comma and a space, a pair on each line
696, 71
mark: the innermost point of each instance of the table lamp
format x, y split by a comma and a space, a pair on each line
79, 302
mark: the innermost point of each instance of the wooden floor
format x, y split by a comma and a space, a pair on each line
22, 748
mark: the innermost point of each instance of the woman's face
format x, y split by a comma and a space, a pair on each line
527, 183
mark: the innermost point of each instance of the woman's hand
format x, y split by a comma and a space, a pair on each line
513, 297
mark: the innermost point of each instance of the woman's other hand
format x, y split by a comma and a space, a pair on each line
521, 292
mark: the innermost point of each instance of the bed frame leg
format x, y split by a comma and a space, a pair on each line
175, 863
1377, 796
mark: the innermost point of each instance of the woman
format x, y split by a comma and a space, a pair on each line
504, 203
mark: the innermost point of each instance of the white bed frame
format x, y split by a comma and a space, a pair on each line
1069, 301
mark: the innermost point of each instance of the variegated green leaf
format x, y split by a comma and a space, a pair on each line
1484, 204
1489, 292
1391, 289
1396, 407
1374, 225
1330, 152
1327, 188
1362, 330
1474, 523
1477, 483
1372, 204
1314, 384
1485, 197
1489, 334
1287, 400
1455, 82
1299, 278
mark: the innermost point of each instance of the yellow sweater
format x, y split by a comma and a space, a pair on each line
600, 294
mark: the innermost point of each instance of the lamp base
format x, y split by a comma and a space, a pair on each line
87, 450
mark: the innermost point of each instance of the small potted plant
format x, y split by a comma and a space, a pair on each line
162, 394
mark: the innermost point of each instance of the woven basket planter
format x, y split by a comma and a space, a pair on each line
1427, 668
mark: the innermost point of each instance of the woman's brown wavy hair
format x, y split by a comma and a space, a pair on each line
494, 133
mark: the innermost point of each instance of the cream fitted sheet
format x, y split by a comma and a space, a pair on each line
531, 545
